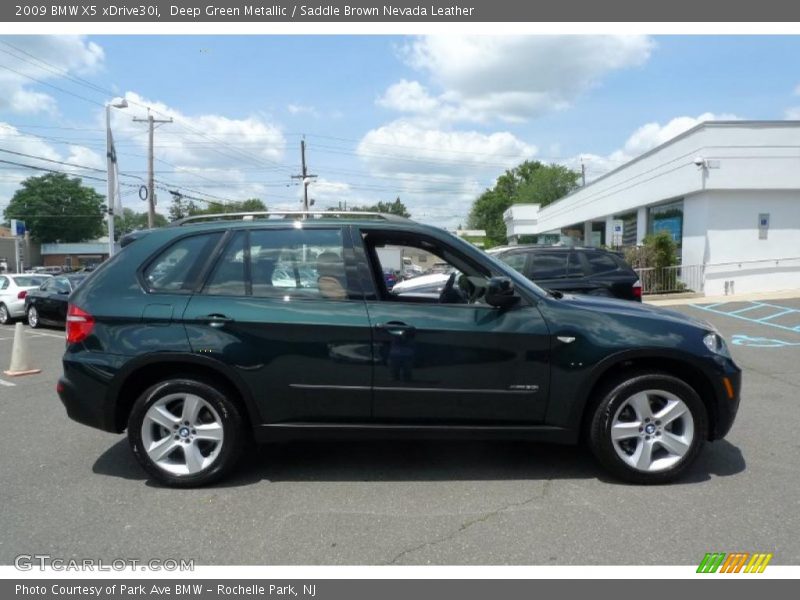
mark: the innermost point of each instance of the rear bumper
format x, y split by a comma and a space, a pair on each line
16, 309
83, 392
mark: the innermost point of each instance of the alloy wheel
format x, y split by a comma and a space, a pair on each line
182, 433
33, 317
652, 430
3, 314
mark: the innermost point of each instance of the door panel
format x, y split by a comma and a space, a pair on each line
303, 360
459, 363
281, 307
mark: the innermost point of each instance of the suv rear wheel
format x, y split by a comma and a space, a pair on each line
186, 432
648, 428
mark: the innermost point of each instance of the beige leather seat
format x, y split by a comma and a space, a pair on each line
331, 276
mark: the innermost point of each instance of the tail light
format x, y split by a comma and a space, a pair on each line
637, 289
22, 294
79, 324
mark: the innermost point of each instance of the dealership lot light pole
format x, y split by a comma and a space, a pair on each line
110, 160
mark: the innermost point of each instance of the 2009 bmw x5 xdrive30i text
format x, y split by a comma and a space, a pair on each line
201, 337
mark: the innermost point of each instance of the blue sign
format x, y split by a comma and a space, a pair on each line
17, 228
672, 225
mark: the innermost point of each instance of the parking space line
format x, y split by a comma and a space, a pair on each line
785, 312
741, 310
712, 309
43, 334
7, 383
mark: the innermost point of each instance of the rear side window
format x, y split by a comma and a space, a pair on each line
281, 263
28, 281
177, 268
4, 283
549, 265
515, 260
601, 263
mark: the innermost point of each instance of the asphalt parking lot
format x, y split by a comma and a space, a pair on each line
73, 492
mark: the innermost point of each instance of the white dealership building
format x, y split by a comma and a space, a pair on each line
727, 191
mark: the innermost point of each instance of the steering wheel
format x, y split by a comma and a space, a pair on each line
447, 290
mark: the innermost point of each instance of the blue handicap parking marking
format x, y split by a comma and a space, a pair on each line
741, 313
760, 342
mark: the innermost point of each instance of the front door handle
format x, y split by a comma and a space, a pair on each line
397, 329
215, 320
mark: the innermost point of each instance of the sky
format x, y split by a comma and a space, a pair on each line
431, 119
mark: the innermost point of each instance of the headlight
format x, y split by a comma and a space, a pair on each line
716, 344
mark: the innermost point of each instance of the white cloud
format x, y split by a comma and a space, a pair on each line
302, 109
435, 172
43, 58
793, 113
28, 146
644, 138
797, 90
511, 78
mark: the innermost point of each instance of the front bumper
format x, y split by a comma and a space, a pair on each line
728, 398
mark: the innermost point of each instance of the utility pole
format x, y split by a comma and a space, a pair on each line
151, 186
305, 177
583, 172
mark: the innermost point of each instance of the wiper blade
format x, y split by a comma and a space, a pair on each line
555, 294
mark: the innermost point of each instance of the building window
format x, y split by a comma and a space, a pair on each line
668, 218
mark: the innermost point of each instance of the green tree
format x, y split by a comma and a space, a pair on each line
530, 182
392, 208
131, 220
58, 208
181, 207
184, 207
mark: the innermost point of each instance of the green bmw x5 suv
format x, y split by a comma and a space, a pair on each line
201, 337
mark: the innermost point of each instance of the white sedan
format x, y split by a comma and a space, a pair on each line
13, 289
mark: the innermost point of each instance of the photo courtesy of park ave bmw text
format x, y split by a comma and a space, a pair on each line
352, 299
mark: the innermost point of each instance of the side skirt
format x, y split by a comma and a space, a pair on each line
275, 432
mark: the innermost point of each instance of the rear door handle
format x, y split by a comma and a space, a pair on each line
397, 329
215, 320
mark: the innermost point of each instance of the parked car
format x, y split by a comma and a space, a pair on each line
574, 270
209, 354
46, 270
13, 290
47, 304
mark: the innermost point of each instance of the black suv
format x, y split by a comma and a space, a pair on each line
574, 270
200, 337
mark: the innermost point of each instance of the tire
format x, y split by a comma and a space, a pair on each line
5, 318
648, 428
178, 455
33, 317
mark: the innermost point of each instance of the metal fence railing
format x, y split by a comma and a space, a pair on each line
664, 280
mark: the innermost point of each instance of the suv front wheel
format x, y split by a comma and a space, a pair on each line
648, 428
185, 432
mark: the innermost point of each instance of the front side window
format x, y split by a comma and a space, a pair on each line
178, 267
61, 285
410, 269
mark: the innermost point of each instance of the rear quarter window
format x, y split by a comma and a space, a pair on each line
601, 263
178, 267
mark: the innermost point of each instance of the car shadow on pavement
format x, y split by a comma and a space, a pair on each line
420, 461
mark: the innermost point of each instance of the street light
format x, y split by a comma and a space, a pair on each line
110, 159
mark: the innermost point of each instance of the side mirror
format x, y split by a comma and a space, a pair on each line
500, 293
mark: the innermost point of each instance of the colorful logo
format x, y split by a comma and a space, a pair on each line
735, 562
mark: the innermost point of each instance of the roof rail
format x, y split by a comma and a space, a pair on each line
286, 214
